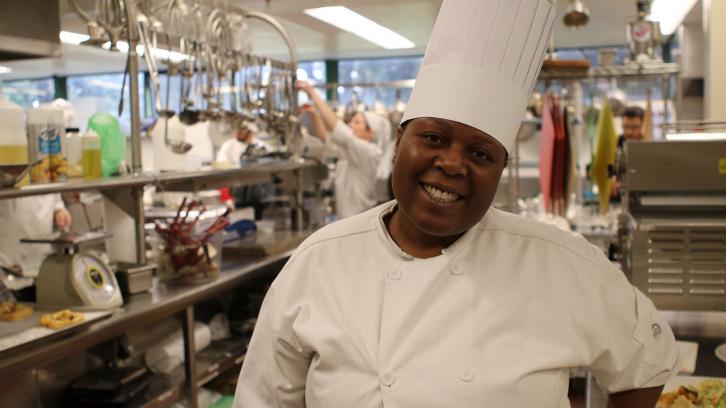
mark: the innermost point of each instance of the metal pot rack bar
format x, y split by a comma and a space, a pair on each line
614, 71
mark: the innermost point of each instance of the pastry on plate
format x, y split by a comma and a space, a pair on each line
11, 311
61, 319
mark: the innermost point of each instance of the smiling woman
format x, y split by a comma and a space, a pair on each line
436, 299
445, 177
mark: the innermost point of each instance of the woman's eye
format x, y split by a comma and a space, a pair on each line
432, 138
480, 155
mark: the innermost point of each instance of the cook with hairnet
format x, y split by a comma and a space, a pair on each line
436, 299
355, 144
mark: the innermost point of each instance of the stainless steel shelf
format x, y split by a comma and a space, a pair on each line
249, 174
615, 71
161, 302
186, 181
77, 185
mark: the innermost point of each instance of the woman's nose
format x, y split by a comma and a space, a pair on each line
452, 162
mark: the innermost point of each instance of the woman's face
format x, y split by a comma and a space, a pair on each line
360, 127
445, 175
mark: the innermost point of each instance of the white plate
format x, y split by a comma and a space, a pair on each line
688, 353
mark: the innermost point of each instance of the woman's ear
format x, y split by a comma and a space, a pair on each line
399, 134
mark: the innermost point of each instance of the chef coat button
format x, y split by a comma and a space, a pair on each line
388, 379
467, 375
457, 270
394, 274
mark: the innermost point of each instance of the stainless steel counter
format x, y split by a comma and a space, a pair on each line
161, 301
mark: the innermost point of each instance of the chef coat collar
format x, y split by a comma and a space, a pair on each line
451, 251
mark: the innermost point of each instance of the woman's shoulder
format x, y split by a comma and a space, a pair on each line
520, 228
350, 228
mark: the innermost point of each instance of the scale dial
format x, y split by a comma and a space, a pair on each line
93, 281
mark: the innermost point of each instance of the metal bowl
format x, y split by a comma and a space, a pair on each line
11, 174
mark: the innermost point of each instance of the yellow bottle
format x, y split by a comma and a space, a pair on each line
13, 139
91, 155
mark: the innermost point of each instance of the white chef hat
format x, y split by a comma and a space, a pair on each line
379, 125
250, 125
481, 64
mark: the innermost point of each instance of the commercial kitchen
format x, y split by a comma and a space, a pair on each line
400, 203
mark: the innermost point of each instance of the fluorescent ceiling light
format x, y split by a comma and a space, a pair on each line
5, 70
696, 136
352, 22
670, 13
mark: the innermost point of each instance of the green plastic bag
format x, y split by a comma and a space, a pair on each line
113, 142
224, 402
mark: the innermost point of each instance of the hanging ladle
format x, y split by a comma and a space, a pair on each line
178, 146
151, 65
187, 115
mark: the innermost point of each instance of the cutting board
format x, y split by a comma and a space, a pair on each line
547, 154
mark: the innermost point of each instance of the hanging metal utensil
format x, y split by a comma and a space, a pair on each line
210, 91
109, 23
123, 88
187, 115
182, 74
111, 15
577, 14
177, 146
151, 65
232, 115
193, 67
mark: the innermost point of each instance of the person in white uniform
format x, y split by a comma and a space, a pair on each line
436, 299
232, 149
354, 142
28, 217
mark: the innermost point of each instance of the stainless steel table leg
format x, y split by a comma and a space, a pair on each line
594, 396
190, 356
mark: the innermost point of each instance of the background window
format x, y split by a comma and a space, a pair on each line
314, 72
370, 72
89, 94
28, 93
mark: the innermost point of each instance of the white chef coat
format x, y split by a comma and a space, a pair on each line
230, 151
355, 171
26, 217
496, 320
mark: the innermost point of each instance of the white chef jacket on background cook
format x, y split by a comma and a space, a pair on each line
355, 171
26, 217
496, 320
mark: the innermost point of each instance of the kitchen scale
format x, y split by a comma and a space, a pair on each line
74, 277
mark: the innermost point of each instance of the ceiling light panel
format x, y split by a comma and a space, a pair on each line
670, 13
354, 23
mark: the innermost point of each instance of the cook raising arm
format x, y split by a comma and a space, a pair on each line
320, 130
329, 118
358, 154
354, 137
